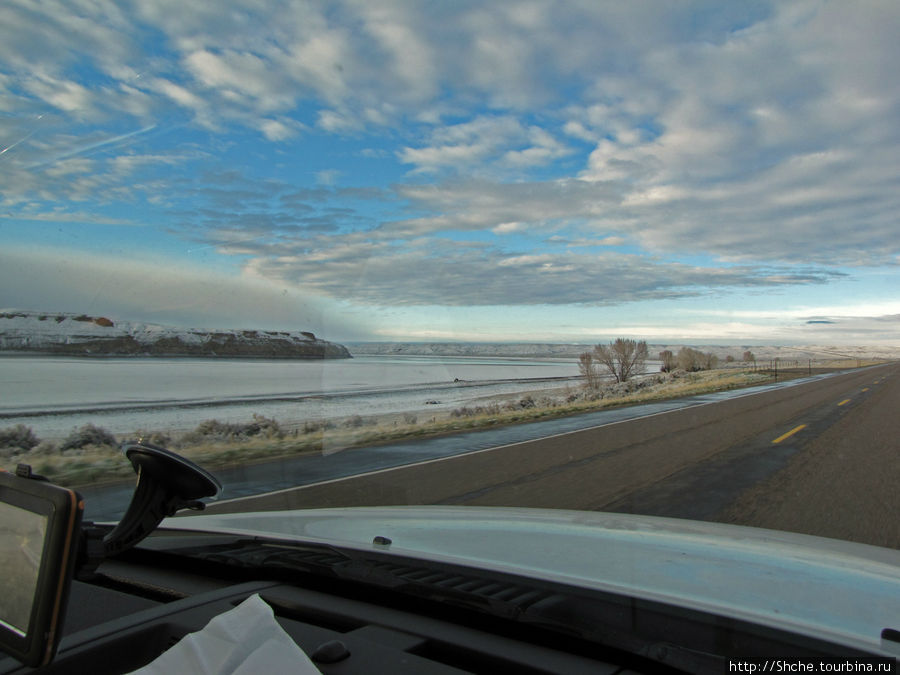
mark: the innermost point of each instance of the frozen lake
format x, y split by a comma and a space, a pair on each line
53, 395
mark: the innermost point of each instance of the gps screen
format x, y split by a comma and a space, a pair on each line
22, 535
39, 536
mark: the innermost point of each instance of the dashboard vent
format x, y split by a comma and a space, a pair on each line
490, 590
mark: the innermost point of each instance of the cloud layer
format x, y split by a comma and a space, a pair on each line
403, 154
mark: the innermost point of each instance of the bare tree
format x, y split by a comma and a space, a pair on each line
588, 369
623, 358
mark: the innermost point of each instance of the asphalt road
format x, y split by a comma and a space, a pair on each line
819, 457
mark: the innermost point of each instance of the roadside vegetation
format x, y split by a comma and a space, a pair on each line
91, 454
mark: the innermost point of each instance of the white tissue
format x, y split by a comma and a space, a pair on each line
244, 640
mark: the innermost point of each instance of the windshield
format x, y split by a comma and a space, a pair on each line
600, 256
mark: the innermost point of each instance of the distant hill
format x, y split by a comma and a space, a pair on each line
501, 349
799, 353
62, 333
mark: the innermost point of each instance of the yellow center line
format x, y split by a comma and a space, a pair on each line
789, 434
865, 389
844, 402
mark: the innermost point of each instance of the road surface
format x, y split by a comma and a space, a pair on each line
819, 457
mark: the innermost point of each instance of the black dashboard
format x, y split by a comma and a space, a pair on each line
140, 612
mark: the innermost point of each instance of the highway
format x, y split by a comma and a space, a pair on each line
819, 457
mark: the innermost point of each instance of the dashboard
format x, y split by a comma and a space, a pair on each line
125, 624
414, 617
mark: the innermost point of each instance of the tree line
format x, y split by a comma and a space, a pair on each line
687, 359
625, 358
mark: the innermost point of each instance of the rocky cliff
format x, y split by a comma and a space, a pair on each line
82, 335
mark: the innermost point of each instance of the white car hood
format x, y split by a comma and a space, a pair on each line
828, 589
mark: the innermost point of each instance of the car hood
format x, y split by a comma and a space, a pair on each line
828, 589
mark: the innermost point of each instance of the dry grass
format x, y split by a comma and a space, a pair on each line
93, 464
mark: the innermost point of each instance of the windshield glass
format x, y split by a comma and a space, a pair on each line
601, 256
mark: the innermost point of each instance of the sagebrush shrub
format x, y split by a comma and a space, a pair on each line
18, 436
87, 435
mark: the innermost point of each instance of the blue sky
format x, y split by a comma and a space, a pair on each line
698, 172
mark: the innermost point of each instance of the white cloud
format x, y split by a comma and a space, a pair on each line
66, 95
400, 35
507, 228
328, 176
243, 73
319, 62
337, 122
180, 95
59, 216
483, 142
484, 204
279, 130
127, 164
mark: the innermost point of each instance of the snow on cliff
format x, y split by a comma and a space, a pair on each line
80, 334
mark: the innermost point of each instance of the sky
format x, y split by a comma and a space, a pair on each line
696, 172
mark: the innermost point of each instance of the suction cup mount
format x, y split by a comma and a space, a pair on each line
167, 483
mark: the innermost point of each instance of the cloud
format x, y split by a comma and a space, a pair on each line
576, 156
364, 63
328, 176
59, 216
44, 36
431, 271
506, 228
484, 142
240, 75
750, 167
279, 130
66, 95
181, 95
485, 204
128, 164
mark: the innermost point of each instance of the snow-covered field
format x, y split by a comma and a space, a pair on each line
53, 395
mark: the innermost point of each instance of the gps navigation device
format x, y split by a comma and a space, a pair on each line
39, 532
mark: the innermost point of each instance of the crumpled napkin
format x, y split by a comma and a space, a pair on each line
243, 641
